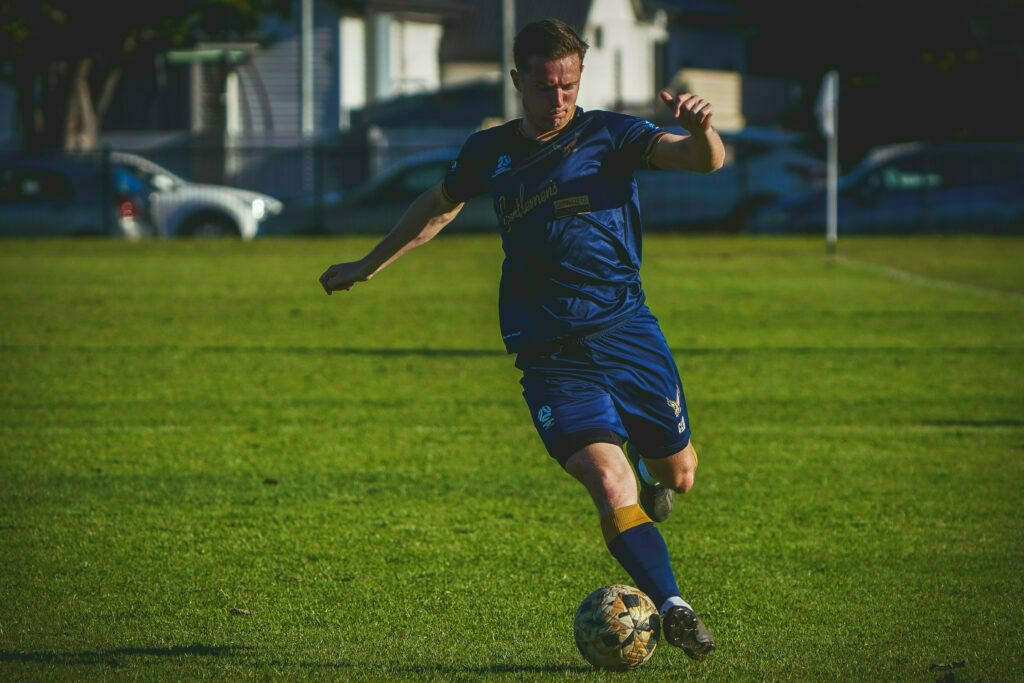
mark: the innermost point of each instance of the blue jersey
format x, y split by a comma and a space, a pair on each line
569, 219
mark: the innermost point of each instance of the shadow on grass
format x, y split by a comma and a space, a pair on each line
450, 670
113, 658
496, 351
974, 423
110, 657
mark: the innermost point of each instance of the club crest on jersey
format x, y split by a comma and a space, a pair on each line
504, 164
544, 417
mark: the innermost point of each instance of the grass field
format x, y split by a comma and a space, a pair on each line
189, 430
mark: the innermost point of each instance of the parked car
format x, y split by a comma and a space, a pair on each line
376, 206
761, 166
180, 208
62, 196
915, 188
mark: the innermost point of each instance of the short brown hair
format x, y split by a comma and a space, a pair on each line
549, 39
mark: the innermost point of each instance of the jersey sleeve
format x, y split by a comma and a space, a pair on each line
465, 178
634, 138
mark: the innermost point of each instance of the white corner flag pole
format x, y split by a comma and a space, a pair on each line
827, 109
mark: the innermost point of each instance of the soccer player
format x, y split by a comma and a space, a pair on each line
597, 372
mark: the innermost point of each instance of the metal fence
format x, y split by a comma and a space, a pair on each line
209, 185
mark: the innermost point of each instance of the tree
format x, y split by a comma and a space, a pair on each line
65, 57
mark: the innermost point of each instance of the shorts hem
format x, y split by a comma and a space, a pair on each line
665, 451
565, 446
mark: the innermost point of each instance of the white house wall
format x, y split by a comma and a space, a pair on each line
352, 68
277, 68
413, 59
621, 69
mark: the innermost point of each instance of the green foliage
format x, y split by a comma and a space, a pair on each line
35, 27
193, 430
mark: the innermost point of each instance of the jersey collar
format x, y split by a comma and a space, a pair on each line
550, 135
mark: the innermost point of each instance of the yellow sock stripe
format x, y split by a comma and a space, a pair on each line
622, 519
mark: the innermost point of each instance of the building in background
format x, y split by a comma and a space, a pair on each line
316, 102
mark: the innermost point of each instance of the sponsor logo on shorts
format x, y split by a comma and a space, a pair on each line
544, 417
677, 409
676, 405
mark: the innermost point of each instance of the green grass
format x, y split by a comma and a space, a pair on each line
857, 513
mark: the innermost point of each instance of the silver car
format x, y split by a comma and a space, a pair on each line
179, 208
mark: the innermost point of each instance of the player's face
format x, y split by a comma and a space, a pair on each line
549, 90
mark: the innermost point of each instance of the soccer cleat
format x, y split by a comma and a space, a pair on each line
684, 629
656, 500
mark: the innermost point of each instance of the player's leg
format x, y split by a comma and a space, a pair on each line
645, 386
629, 533
634, 540
676, 471
582, 430
606, 475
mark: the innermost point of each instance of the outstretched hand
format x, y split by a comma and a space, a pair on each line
343, 276
691, 111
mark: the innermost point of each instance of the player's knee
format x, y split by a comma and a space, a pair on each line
676, 473
681, 480
607, 477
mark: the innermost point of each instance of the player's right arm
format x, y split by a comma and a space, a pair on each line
424, 218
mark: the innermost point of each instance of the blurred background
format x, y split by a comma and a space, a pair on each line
274, 117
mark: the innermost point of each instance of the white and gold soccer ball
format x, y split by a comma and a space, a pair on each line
617, 628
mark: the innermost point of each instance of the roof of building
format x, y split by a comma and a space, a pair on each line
477, 36
707, 8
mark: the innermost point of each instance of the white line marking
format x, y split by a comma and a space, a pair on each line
907, 276
879, 429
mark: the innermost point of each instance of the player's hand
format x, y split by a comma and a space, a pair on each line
691, 111
344, 276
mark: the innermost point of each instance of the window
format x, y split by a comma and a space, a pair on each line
127, 182
406, 186
26, 185
909, 175
419, 180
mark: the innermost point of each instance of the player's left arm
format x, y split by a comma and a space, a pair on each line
702, 150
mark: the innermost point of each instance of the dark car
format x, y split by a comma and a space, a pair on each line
65, 196
376, 206
761, 166
915, 188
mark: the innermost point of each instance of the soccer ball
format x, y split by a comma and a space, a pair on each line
616, 628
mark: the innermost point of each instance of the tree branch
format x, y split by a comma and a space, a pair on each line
109, 86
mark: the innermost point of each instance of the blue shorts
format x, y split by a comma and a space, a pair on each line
618, 385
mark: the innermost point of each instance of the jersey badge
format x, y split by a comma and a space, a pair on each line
504, 164
544, 417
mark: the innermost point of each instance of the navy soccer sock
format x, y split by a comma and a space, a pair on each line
639, 547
